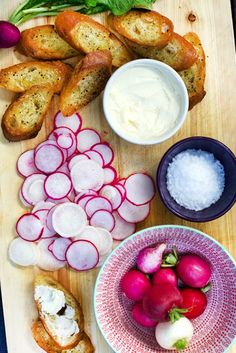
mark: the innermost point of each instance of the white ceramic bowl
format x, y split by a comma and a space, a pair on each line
172, 76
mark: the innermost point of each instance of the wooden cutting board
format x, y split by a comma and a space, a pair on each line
214, 117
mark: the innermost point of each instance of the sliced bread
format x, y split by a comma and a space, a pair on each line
87, 81
24, 117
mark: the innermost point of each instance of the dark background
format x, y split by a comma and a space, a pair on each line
3, 348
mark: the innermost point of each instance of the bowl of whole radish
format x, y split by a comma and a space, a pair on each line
167, 288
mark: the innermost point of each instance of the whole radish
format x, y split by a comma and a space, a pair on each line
165, 275
174, 336
135, 284
195, 301
149, 259
193, 271
140, 317
9, 34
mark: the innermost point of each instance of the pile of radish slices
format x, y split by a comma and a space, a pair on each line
79, 203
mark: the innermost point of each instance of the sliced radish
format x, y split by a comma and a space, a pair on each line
139, 189
122, 181
107, 241
103, 219
54, 143
75, 159
97, 203
58, 247
57, 202
64, 131
132, 213
48, 158
50, 245
85, 193
47, 260
49, 219
29, 227
113, 194
95, 156
73, 122
65, 141
87, 175
42, 215
57, 185
110, 175
33, 190
69, 219
83, 200
23, 253
105, 150
122, 228
86, 138
122, 190
25, 164
43, 205
64, 169
91, 234
22, 200
82, 255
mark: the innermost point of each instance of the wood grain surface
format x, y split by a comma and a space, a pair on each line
214, 117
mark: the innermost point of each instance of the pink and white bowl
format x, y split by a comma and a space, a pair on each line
214, 330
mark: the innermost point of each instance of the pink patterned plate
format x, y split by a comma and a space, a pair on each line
214, 330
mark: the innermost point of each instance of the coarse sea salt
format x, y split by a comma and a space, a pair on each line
195, 179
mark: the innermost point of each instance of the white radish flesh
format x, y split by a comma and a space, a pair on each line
58, 248
106, 240
122, 190
73, 122
105, 150
48, 158
64, 131
82, 255
43, 205
23, 253
103, 219
69, 219
86, 175
83, 200
22, 200
57, 185
47, 260
75, 159
33, 189
96, 157
64, 169
29, 227
25, 163
86, 138
97, 203
139, 189
132, 213
65, 141
85, 193
110, 175
43, 215
93, 235
113, 194
122, 228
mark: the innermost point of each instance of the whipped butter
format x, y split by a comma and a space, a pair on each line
143, 103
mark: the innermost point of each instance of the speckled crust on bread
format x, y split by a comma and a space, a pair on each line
178, 53
43, 42
87, 35
194, 77
48, 320
21, 77
87, 81
148, 28
24, 117
45, 341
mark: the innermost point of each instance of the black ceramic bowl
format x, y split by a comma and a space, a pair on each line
227, 159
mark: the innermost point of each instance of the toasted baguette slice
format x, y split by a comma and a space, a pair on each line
148, 28
21, 77
49, 320
87, 35
194, 77
87, 81
48, 345
178, 53
24, 116
43, 42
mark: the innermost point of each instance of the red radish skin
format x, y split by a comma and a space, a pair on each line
73, 122
160, 299
193, 271
195, 301
140, 317
165, 275
135, 284
149, 260
9, 35
43, 215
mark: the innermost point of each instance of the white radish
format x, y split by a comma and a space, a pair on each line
29, 227
91, 234
139, 188
23, 253
73, 122
110, 175
106, 151
48, 158
96, 157
25, 163
122, 229
69, 219
103, 219
42, 215
47, 260
58, 248
86, 138
174, 336
57, 185
82, 255
86, 175
106, 240
75, 159
132, 213
97, 203
33, 189
113, 194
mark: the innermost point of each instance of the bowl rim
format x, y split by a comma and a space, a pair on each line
147, 63
159, 182
133, 236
